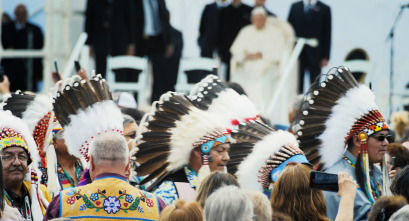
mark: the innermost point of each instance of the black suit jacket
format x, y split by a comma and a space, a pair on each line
317, 25
15, 68
140, 24
110, 25
209, 29
232, 19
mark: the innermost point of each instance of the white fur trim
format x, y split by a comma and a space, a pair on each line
98, 118
9, 121
189, 129
248, 171
357, 102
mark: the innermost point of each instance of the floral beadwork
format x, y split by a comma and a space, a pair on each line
128, 198
94, 196
83, 207
110, 204
71, 200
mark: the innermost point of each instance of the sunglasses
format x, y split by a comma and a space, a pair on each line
381, 138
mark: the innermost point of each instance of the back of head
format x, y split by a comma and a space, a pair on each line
401, 215
277, 216
211, 183
261, 205
293, 196
228, 203
400, 153
180, 210
109, 149
399, 120
400, 183
385, 206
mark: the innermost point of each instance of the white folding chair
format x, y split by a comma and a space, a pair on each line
129, 62
360, 65
190, 64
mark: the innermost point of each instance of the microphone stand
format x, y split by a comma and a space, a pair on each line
390, 37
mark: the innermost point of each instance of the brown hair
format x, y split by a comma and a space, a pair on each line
293, 196
180, 210
385, 206
400, 153
211, 183
277, 216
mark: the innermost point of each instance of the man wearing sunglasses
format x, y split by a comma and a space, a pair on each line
343, 131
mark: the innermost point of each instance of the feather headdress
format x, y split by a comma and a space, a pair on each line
84, 110
175, 128
260, 154
36, 111
336, 112
14, 132
214, 95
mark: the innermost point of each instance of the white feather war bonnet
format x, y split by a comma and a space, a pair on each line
340, 109
175, 128
84, 110
260, 154
15, 133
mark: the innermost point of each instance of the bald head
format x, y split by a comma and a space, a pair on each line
21, 13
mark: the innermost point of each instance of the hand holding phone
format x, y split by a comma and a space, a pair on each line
324, 181
77, 66
393, 159
56, 74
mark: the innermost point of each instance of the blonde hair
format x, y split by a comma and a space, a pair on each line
261, 205
400, 119
181, 210
293, 196
211, 183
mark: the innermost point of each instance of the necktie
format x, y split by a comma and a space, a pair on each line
155, 15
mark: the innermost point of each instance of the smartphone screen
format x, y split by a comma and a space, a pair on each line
77, 66
324, 181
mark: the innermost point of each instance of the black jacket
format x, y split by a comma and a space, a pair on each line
317, 25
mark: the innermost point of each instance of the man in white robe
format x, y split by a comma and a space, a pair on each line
257, 56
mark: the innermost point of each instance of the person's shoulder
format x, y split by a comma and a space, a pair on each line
296, 4
322, 5
33, 26
340, 165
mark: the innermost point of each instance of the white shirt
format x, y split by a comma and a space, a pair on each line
312, 3
149, 27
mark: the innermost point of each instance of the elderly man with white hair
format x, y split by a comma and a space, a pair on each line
228, 203
257, 55
109, 196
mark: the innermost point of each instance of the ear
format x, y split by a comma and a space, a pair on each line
128, 165
197, 153
91, 164
357, 142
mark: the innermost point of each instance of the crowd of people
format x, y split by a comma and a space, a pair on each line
82, 152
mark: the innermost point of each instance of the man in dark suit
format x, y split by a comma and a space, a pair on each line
208, 30
21, 34
261, 3
312, 19
110, 28
232, 19
154, 39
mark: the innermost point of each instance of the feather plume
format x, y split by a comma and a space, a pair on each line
328, 117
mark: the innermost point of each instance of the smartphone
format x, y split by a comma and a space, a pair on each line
1, 73
393, 162
324, 181
57, 76
77, 66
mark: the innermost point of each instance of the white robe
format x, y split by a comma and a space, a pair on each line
260, 77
